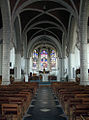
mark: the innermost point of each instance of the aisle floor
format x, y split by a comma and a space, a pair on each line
45, 106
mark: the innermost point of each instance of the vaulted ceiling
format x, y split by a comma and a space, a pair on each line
0, 20
44, 17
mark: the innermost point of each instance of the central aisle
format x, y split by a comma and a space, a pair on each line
45, 106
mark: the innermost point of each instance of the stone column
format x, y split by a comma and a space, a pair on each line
1, 49
6, 56
26, 69
60, 69
59, 73
30, 64
17, 68
70, 67
6, 16
1, 59
6, 64
83, 46
63, 68
27, 65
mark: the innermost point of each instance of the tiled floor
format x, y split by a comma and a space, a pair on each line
45, 106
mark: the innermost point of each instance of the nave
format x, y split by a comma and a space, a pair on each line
44, 41
58, 101
45, 106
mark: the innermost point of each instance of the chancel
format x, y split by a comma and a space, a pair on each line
44, 62
44, 59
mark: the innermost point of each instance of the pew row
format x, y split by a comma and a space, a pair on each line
74, 99
15, 99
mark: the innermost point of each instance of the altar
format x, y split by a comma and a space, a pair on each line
45, 75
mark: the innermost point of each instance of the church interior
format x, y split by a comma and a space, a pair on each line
44, 59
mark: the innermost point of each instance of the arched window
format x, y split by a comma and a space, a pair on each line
35, 59
44, 56
53, 59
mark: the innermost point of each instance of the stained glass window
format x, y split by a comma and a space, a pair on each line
44, 56
53, 59
35, 59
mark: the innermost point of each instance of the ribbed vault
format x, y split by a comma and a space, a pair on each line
43, 17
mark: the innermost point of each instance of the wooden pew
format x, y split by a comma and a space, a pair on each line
71, 95
17, 96
2, 117
11, 111
79, 110
84, 117
69, 102
15, 100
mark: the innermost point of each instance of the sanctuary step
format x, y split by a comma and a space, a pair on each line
45, 106
45, 83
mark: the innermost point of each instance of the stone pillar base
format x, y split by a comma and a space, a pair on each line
17, 80
63, 79
5, 82
71, 80
58, 80
84, 82
26, 78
